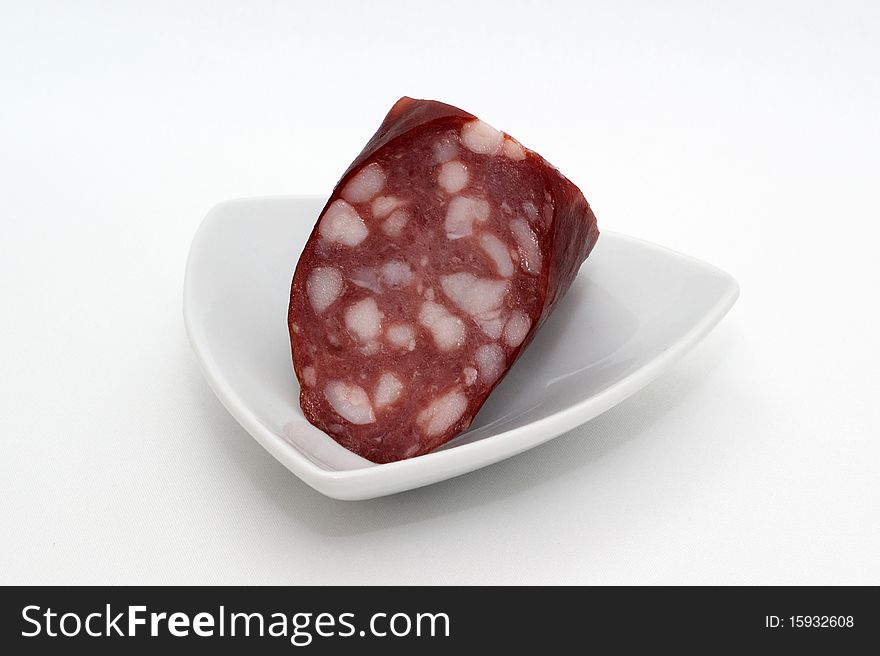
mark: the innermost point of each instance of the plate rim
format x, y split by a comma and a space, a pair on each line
381, 479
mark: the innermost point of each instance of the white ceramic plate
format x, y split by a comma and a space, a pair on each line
634, 309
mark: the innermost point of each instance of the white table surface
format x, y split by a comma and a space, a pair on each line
744, 135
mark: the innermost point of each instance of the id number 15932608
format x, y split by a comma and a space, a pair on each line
810, 621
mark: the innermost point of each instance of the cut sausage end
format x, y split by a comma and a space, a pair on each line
430, 268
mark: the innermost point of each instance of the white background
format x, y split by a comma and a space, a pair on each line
745, 134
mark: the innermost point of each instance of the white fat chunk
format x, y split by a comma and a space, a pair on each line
384, 205
364, 320
365, 184
370, 348
492, 325
443, 412
453, 177
350, 402
517, 328
395, 223
461, 214
401, 335
310, 376
490, 362
396, 274
323, 287
470, 376
368, 278
529, 251
342, 224
531, 210
387, 390
481, 138
513, 150
446, 328
445, 150
479, 297
498, 253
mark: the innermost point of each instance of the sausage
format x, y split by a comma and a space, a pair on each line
443, 248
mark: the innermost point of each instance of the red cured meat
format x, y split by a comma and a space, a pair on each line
440, 253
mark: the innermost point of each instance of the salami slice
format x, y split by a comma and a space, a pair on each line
444, 247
